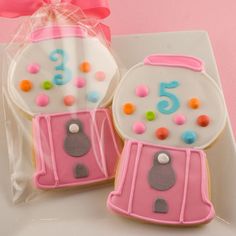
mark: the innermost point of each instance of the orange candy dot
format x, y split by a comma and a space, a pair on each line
194, 103
162, 133
26, 85
128, 108
203, 120
69, 100
85, 67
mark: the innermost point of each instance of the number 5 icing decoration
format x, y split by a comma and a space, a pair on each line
163, 105
163, 175
64, 79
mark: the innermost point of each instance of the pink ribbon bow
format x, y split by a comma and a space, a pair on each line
16, 8
92, 8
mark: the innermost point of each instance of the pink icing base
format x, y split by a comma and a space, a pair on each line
57, 32
54, 167
188, 199
175, 61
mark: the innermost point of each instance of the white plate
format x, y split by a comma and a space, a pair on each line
84, 212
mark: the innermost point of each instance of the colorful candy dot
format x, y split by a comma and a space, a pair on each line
26, 85
42, 100
139, 127
69, 100
189, 137
203, 120
141, 91
128, 108
150, 115
47, 84
93, 96
179, 119
100, 75
80, 82
162, 133
33, 68
85, 67
194, 103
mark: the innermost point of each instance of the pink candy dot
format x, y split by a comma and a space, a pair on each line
179, 119
141, 91
80, 82
33, 68
69, 100
100, 76
42, 100
139, 127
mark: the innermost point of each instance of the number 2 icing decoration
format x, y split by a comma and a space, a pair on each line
168, 109
64, 79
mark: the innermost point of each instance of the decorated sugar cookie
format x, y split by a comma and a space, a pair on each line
168, 109
62, 69
64, 78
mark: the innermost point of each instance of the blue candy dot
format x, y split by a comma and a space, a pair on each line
189, 137
93, 96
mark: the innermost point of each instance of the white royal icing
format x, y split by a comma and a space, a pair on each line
78, 49
190, 84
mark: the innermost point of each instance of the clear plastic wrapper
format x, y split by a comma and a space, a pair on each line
59, 78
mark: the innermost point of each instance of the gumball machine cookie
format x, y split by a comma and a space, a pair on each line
177, 111
64, 79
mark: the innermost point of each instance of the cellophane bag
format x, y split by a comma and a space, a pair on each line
58, 80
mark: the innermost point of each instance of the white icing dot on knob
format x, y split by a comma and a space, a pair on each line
163, 158
74, 128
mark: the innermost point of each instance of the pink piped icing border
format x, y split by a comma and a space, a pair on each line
175, 61
123, 173
56, 32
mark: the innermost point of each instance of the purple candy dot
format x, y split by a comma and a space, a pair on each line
33, 68
80, 82
42, 100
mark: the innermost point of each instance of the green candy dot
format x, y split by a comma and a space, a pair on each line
47, 84
150, 115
